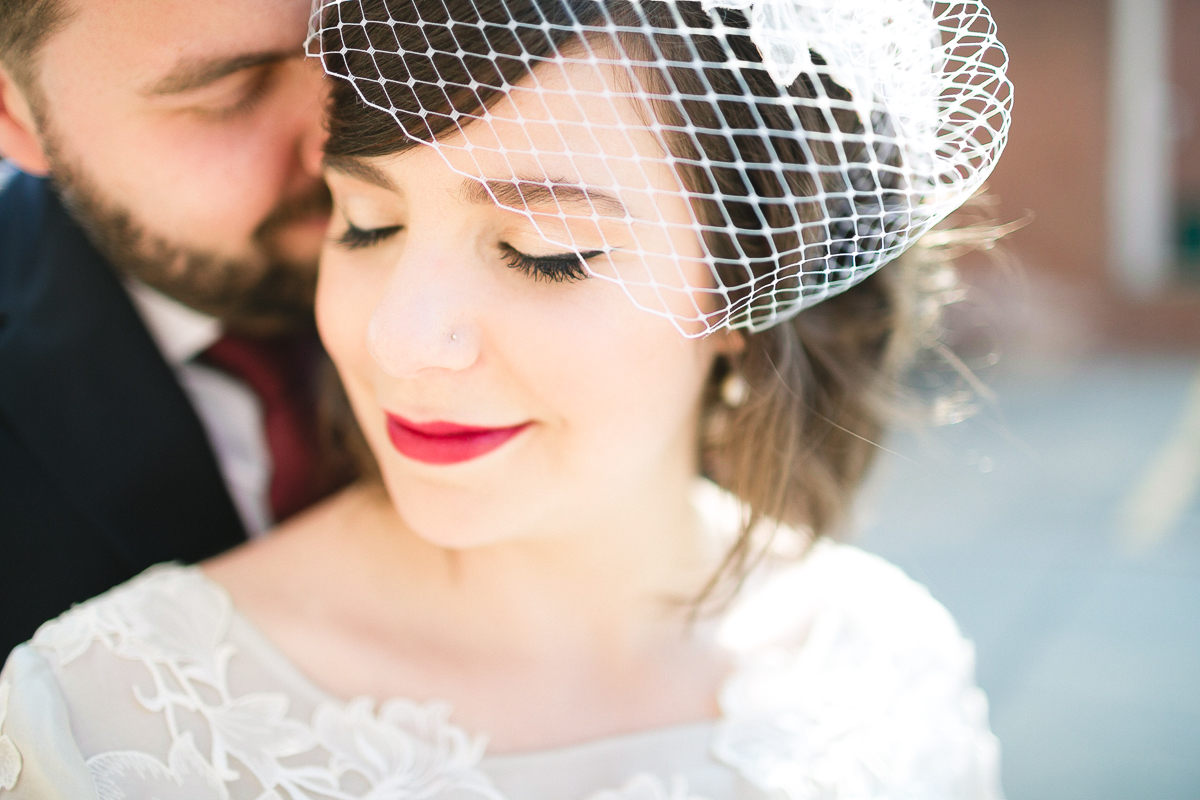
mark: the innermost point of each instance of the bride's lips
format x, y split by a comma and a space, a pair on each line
445, 442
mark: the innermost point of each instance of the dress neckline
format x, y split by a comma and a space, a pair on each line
266, 651
848, 680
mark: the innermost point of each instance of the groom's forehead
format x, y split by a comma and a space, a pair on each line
156, 43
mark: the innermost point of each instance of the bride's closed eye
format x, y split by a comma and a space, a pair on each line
356, 238
557, 268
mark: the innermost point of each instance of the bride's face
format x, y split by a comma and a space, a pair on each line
505, 391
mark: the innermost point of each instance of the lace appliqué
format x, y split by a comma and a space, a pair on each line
175, 622
10, 757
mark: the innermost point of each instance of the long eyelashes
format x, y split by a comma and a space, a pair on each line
358, 238
564, 267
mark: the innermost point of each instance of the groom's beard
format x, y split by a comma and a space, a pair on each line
266, 293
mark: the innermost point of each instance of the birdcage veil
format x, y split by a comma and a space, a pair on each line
728, 163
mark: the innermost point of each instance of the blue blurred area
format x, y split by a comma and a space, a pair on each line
1062, 530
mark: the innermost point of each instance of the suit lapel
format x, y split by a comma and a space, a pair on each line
86, 389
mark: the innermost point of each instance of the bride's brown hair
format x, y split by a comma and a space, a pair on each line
820, 385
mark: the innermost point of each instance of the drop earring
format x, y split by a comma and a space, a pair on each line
734, 389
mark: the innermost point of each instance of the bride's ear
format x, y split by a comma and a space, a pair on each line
728, 342
19, 139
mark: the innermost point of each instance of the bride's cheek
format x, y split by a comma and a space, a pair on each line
342, 314
344, 305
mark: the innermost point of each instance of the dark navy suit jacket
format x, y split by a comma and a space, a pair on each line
105, 468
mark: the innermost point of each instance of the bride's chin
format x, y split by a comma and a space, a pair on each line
428, 518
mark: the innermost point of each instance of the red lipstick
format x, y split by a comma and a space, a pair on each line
445, 442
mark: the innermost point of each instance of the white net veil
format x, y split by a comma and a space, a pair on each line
728, 163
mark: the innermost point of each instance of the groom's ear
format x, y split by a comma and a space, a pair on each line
19, 140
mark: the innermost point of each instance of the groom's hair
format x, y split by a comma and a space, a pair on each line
24, 27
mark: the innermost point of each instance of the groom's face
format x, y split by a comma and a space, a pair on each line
186, 136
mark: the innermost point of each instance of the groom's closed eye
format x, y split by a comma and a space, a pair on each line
219, 87
191, 74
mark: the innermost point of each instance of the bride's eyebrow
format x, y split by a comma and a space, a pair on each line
357, 168
521, 194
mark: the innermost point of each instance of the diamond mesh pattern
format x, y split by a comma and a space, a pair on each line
728, 162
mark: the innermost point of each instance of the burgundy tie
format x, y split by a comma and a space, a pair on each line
280, 373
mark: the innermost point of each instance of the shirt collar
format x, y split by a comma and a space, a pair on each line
7, 172
180, 332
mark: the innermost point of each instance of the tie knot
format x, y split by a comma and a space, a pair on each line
273, 368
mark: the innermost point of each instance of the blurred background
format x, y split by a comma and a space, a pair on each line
1060, 522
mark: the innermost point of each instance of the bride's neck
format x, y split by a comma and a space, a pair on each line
614, 579
540, 641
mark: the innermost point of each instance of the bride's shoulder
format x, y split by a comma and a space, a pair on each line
81, 681
167, 612
846, 659
841, 595
843, 634
835, 597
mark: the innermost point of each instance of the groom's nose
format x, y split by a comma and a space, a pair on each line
314, 133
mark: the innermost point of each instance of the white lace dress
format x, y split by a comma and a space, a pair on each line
851, 682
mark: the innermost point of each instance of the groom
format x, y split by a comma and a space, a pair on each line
157, 263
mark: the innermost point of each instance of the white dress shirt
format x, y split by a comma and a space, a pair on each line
231, 412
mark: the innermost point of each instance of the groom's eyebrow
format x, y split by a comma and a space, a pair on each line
191, 74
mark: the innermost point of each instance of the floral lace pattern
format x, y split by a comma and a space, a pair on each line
852, 703
403, 750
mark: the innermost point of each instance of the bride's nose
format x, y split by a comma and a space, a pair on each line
423, 322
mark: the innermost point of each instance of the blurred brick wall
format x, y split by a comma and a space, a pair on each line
1054, 163
1186, 76
1055, 167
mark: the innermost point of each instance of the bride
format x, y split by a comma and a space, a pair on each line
591, 261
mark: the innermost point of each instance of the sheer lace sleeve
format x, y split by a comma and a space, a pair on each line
147, 692
855, 683
39, 759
